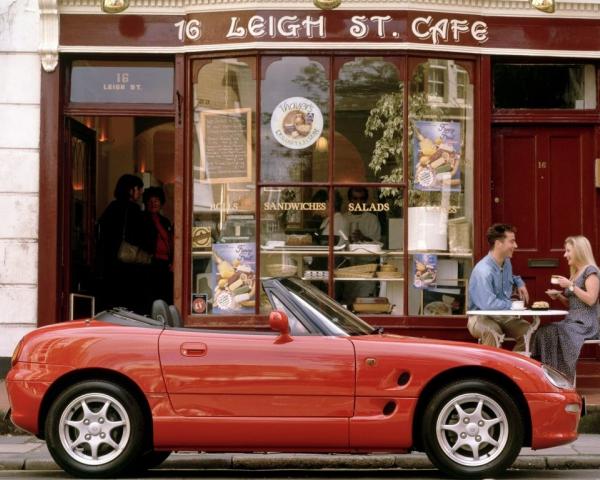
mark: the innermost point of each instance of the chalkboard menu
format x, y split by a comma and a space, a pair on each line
226, 145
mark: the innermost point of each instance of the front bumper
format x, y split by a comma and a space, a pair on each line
554, 418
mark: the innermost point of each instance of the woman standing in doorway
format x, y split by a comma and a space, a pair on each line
158, 240
120, 283
559, 344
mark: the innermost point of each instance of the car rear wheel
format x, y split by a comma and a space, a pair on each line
472, 428
95, 429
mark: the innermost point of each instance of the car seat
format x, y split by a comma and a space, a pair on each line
177, 322
161, 312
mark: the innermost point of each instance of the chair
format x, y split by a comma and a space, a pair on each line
177, 321
161, 312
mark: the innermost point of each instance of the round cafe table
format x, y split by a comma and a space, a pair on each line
528, 314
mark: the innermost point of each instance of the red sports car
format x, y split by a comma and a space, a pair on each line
123, 390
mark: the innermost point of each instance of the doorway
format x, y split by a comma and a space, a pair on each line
98, 151
543, 183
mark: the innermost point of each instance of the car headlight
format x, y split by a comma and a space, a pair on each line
17, 353
556, 378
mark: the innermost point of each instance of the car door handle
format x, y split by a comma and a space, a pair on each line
193, 349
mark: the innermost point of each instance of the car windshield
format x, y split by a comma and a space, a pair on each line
335, 317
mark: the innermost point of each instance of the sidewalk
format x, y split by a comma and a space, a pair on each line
28, 453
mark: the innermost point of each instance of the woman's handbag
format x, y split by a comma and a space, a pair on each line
129, 253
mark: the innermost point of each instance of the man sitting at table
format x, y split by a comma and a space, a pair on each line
490, 288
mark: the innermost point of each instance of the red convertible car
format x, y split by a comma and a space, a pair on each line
122, 390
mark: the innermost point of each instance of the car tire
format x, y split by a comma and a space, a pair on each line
472, 429
95, 429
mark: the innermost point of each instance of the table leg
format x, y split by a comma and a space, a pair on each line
527, 337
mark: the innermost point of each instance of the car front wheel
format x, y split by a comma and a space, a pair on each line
94, 429
472, 429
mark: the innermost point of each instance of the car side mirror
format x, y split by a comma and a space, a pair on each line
278, 321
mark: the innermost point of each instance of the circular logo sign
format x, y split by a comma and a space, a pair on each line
297, 123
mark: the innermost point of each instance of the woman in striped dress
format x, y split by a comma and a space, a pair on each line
558, 344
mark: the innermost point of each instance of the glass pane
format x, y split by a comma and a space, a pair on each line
369, 98
441, 152
371, 263
224, 205
544, 86
122, 82
295, 120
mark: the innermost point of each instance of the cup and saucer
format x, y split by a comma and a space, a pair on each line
518, 305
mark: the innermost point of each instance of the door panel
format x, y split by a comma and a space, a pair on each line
253, 376
543, 184
78, 210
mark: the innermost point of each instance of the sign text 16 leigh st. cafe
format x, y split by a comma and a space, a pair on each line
422, 28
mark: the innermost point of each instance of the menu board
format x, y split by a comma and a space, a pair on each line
225, 145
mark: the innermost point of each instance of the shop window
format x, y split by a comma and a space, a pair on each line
99, 81
369, 98
440, 213
533, 86
224, 214
295, 119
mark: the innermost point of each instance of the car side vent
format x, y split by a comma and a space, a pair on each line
403, 378
389, 408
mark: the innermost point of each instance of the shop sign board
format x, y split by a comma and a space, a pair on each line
297, 123
400, 27
122, 84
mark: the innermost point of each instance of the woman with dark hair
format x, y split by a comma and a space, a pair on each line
119, 283
158, 240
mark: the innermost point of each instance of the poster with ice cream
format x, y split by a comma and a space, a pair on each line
436, 156
234, 277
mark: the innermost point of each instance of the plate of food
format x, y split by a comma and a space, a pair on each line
553, 291
540, 305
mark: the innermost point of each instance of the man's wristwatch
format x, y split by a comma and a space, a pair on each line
572, 287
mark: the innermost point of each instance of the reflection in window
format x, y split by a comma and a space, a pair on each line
369, 126
295, 119
440, 214
223, 220
436, 79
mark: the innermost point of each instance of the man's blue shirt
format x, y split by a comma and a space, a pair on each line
491, 286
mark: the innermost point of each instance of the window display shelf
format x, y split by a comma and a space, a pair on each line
442, 254
201, 254
370, 279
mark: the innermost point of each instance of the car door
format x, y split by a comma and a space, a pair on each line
261, 388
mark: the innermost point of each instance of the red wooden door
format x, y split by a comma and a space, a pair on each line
543, 183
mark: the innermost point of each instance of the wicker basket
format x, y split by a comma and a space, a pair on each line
281, 270
339, 274
366, 268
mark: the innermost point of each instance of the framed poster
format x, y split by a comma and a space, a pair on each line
225, 138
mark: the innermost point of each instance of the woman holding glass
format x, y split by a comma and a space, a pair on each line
558, 344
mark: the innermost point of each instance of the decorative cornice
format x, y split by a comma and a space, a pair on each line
520, 8
49, 34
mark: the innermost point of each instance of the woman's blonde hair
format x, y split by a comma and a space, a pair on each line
582, 252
